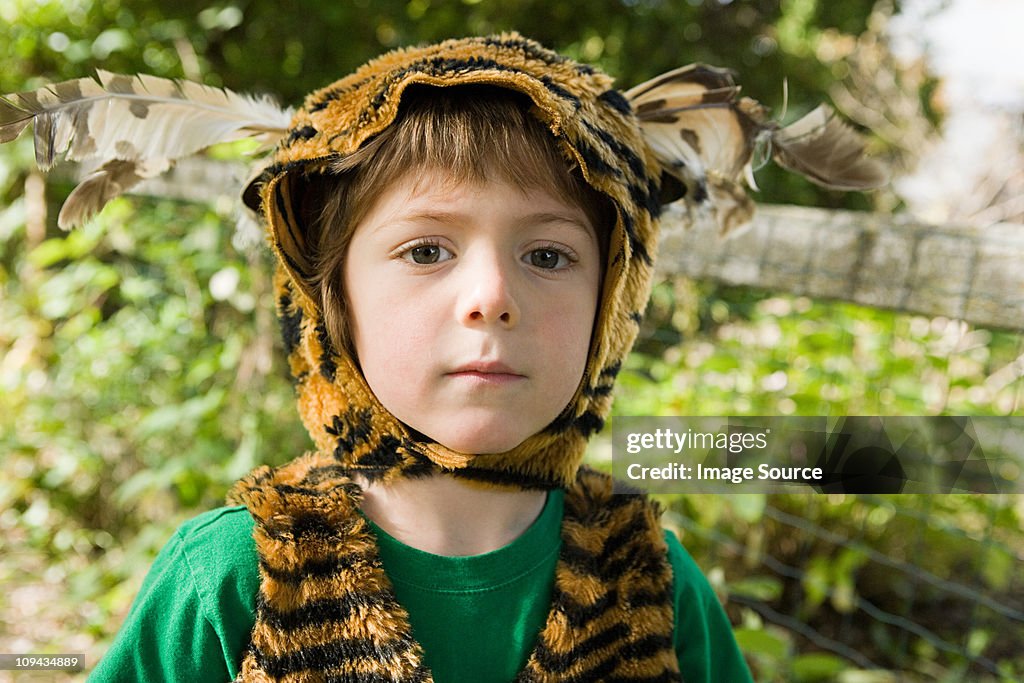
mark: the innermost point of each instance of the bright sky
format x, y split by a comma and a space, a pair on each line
976, 47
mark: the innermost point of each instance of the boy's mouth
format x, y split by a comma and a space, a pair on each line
489, 372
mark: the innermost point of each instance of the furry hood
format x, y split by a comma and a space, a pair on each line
594, 127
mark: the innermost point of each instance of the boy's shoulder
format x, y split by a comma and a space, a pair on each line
688, 576
231, 523
225, 518
219, 543
703, 635
195, 609
690, 584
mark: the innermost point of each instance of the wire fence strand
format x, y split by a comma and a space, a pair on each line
982, 605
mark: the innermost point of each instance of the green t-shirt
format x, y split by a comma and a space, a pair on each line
477, 617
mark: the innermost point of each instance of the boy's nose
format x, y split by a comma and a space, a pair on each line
487, 296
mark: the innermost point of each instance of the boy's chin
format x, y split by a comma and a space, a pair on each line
476, 443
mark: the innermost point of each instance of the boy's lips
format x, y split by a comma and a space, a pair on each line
490, 372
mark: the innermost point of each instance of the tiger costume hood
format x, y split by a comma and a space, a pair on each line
592, 125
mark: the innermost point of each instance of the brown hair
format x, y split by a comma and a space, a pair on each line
475, 133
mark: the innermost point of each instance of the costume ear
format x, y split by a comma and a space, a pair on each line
135, 127
704, 136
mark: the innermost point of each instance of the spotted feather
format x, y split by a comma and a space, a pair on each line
705, 135
132, 128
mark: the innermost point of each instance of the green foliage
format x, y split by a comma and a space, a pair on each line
132, 395
757, 354
771, 651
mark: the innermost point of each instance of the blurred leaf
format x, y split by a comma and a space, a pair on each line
817, 666
762, 643
764, 588
748, 506
181, 418
1000, 568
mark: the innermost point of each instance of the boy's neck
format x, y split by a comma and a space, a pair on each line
442, 515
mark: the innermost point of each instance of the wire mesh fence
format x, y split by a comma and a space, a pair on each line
899, 601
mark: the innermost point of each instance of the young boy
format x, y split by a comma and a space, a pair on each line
465, 235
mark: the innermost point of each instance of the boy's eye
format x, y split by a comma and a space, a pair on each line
427, 254
548, 259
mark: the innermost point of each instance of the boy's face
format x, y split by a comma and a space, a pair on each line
471, 307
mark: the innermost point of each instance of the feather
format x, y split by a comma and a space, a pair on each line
827, 151
688, 119
731, 206
136, 127
99, 187
705, 135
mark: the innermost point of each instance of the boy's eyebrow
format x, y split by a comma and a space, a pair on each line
537, 218
542, 217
